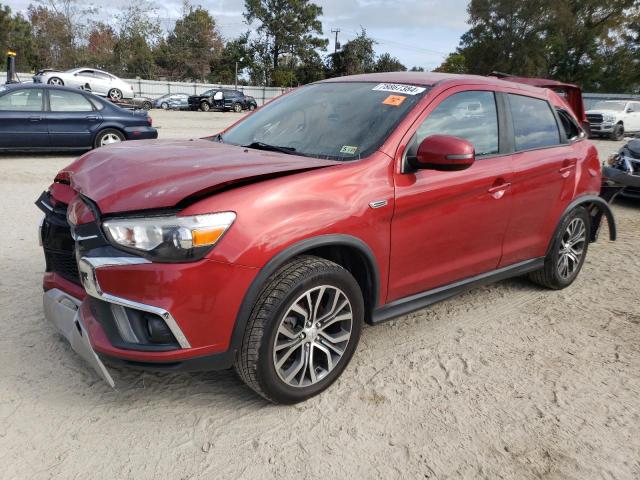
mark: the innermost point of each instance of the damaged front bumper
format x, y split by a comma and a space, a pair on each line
617, 181
63, 311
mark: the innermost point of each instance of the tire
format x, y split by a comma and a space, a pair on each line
282, 375
553, 275
147, 106
204, 106
107, 137
114, 95
252, 107
618, 132
164, 105
55, 81
237, 108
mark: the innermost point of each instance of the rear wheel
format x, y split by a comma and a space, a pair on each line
567, 253
205, 107
107, 137
164, 105
146, 106
55, 81
252, 107
302, 332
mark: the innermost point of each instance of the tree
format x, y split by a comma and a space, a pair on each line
288, 29
387, 63
53, 38
138, 33
356, 56
15, 34
417, 69
101, 43
454, 63
192, 45
223, 67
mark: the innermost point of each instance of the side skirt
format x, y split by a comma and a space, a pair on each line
412, 303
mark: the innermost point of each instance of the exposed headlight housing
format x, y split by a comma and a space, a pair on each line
607, 117
169, 238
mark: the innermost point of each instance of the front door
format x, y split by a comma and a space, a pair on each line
23, 119
449, 226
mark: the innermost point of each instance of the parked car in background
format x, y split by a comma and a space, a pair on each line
48, 117
222, 99
614, 118
177, 101
145, 103
99, 82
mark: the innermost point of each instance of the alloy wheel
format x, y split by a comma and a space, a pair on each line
572, 248
312, 336
115, 94
109, 138
55, 81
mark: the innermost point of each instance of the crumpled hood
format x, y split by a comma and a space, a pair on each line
142, 175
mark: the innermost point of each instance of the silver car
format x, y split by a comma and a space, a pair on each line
99, 82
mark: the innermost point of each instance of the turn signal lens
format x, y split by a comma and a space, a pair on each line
206, 237
79, 213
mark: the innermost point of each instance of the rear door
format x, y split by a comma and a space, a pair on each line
72, 119
23, 118
544, 169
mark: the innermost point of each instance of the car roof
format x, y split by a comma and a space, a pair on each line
429, 79
45, 86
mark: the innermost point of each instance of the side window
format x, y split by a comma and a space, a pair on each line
27, 100
470, 115
534, 124
571, 129
63, 101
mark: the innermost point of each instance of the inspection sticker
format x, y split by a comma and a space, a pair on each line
348, 149
399, 88
395, 100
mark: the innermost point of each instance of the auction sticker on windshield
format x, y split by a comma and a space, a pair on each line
398, 88
348, 149
395, 100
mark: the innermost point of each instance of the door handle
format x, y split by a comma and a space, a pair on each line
498, 191
566, 170
35, 118
92, 118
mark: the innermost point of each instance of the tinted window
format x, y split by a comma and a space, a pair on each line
469, 115
571, 129
28, 100
63, 101
534, 124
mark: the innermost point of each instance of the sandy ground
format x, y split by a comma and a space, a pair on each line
507, 381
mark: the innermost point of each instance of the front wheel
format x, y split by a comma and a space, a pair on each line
618, 132
567, 253
237, 108
205, 107
164, 105
115, 95
302, 332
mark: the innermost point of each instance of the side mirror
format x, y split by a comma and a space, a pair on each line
445, 153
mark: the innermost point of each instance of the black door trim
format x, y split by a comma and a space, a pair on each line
416, 302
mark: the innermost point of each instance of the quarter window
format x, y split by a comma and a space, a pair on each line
469, 115
63, 101
27, 100
571, 129
534, 124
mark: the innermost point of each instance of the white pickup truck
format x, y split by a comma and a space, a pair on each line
614, 118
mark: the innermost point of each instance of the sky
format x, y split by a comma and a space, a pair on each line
417, 32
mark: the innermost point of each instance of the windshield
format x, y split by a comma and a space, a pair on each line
616, 106
208, 93
341, 121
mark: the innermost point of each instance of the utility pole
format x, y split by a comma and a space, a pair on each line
337, 45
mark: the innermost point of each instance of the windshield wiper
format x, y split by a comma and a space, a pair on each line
272, 148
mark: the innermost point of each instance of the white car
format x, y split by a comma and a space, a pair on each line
614, 118
98, 82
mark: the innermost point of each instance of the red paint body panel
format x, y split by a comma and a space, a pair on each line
159, 174
436, 228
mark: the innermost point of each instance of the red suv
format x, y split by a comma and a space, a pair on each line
351, 200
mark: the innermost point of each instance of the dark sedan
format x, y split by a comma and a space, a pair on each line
47, 117
222, 99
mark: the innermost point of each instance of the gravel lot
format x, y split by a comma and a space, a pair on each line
505, 381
